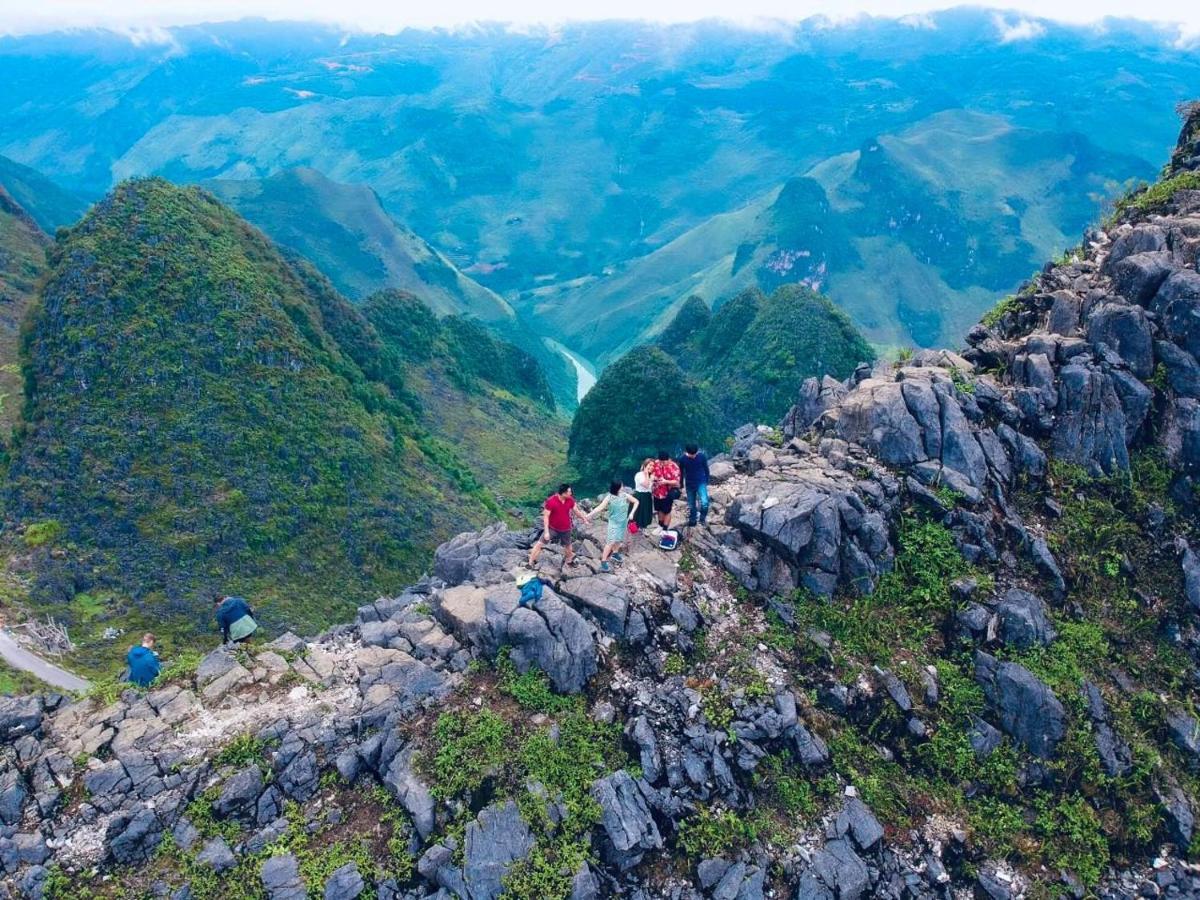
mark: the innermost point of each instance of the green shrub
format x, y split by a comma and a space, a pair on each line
711, 832
1010, 304
1072, 837
531, 689
39, 534
1151, 197
467, 748
241, 752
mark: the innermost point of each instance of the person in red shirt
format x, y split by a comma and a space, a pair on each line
556, 525
665, 479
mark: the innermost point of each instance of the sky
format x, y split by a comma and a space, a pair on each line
17, 16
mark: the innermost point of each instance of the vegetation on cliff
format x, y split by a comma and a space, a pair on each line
202, 414
643, 403
754, 353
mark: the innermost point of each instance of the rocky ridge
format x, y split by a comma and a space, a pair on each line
940, 639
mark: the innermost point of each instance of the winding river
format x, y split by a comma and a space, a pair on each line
584, 372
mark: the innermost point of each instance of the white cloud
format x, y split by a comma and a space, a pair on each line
1020, 19
1022, 29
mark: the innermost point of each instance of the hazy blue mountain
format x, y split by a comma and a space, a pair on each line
913, 234
344, 231
540, 162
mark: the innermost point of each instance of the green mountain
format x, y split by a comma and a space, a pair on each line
485, 397
753, 354
709, 373
914, 235
203, 414
345, 232
47, 204
642, 403
22, 263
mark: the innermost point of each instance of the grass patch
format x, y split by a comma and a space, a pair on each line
469, 747
1146, 198
908, 603
711, 832
531, 689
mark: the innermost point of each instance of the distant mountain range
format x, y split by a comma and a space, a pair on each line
345, 232
912, 234
595, 175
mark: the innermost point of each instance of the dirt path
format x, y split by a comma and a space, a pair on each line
20, 658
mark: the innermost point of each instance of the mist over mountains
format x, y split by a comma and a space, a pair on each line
596, 175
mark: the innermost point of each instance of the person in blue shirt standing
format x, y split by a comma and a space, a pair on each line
694, 466
143, 662
235, 617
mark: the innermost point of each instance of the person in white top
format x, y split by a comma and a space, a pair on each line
644, 514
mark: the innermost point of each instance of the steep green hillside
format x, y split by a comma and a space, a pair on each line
48, 205
345, 232
22, 262
642, 403
201, 414
484, 396
752, 356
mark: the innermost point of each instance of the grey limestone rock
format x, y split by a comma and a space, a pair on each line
345, 883
280, 877
216, 855
550, 635
493, 842
1023, 620
628, 826
1025, 707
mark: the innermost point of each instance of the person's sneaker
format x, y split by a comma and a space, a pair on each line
617, 556
604, 566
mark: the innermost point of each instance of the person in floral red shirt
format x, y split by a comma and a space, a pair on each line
665, 480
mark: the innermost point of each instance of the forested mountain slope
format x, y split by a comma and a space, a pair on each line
206, 415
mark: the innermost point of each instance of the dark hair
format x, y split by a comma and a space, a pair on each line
614, 486
663, 454
219, 598
564, 487
691, 448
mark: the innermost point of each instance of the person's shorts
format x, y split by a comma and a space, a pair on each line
560, 537
663, 504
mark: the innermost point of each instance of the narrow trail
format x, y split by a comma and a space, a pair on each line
20, 658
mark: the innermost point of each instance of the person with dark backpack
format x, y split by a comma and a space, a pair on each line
235, 617
694, 467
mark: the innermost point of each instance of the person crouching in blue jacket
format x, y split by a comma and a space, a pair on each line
143, 662
235, 617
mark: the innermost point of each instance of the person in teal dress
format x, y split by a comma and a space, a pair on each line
621, 507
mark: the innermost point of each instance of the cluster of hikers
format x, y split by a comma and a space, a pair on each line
657, 485
234, 617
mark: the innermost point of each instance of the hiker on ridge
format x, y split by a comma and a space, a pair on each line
620, 507
143, 662
694, 466
556, 525
235, 617
665, 480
